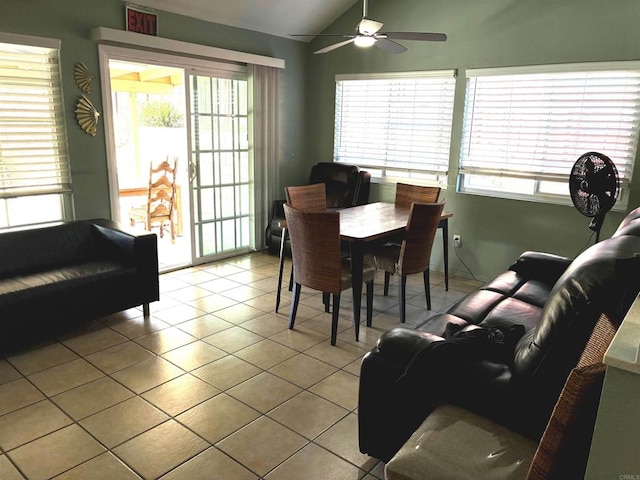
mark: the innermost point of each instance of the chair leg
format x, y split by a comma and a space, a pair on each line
427, 288
387, 277
280, 270
402, 290
325, 301
369, 303
334, 319
295, 298
291, 277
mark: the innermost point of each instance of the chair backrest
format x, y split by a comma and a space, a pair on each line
310, 198
346, 185
406, 194
415, 251
315, 248
162, 191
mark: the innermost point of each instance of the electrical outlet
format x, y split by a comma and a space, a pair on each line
457, 241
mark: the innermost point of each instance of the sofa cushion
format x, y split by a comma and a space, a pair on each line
46, 248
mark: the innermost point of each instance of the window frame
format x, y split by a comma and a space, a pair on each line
384, 170
538, 182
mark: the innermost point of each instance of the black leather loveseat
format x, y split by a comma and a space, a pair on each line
505, 350
74, 271
345, 186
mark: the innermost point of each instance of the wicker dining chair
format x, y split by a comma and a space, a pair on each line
414, 254
318, 262
406, 194
311, 198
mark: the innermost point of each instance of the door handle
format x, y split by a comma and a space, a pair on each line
192, 171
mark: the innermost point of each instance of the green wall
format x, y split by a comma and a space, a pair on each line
72, 22
482, 34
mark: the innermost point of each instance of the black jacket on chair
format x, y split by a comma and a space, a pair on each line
346, 186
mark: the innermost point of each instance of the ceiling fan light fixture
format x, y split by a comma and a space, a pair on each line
364, 41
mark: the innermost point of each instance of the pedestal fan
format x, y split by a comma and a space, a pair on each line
594, 186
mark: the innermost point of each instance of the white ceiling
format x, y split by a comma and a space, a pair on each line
275, 17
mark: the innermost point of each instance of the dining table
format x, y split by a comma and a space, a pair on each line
375, 222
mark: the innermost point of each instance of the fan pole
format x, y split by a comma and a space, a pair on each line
364, 9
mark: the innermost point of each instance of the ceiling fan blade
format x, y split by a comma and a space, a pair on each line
425, 37
390, 46
368, 26
334, 46
321, 35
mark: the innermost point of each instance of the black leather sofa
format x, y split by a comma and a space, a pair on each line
73, 271
346, 186
505, 350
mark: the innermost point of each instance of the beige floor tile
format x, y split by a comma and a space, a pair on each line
102, 467
226, 372
123, 421
64, 377
233, 339
133, 328
213, 302
246, 277
8, 471
193, 276
315, 463
204, 326
220, 284
147, 375
64, 449
211, 463
28, 423
180, 394
17, 394
262, 445
266, 325
265, 302
340, 388
354, 367
165, 340
239, 313
8, 372
42, 358
342, 439
188, 293
242, 293
303, 370
266, 354
160, 449
194, 355
92, 397
264, 391
94, 341
218, 417
178, 314
308, 414
340, 355
301, 338
119, 357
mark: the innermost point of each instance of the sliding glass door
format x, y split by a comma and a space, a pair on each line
220, 167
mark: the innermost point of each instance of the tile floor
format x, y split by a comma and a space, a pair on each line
212, 386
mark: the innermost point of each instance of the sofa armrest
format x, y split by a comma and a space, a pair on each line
140, 249
541, 266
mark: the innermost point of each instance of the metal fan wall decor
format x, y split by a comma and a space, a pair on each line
367, 33
87, 115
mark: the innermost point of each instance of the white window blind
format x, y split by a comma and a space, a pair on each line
33, 145
396, 124
524, 128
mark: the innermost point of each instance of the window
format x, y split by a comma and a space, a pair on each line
525, 127
35, 184
395, 125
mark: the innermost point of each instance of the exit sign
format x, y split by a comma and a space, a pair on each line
140, 21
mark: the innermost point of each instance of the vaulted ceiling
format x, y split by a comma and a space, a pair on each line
275, 17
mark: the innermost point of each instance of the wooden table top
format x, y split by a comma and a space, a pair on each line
374, 220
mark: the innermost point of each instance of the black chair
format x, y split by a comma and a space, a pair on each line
346, 186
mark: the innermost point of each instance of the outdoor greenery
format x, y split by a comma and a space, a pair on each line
160, 113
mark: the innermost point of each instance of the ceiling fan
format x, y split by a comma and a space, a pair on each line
368, 33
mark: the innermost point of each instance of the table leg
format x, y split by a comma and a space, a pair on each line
445, 249
357, 262
281, 267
